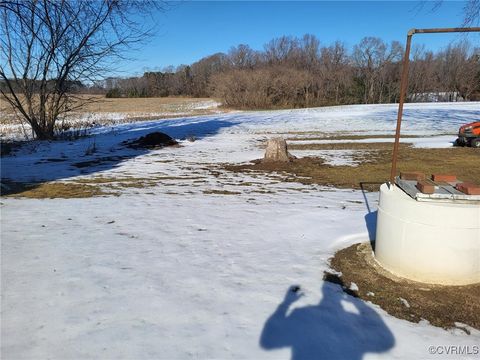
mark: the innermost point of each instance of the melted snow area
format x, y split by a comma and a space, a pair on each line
177, 269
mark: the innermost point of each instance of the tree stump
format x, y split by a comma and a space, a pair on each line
277, 151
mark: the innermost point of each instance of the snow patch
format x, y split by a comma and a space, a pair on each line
173, 271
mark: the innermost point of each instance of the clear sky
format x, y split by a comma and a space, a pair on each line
190, 30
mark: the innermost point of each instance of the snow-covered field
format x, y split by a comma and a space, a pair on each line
10, 128
178, 270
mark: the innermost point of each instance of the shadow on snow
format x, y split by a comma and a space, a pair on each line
339, 327
43, 161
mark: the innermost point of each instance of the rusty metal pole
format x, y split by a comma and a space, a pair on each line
404, 86
403, 94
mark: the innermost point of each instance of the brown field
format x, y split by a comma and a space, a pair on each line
99, 103
142, 105
131, 109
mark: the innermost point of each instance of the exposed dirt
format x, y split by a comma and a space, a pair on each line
374, 166
442, 306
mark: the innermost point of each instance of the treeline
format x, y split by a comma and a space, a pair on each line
298, 72
36, 85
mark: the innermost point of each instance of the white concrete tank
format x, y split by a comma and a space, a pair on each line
434, 242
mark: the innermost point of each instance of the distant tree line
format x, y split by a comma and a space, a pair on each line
298, 72
294, 72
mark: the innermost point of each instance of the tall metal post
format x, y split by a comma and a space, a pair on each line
404, 86
403, 94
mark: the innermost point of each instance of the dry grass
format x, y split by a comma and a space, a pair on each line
344, 146
353, 137
105, 111
121, 180
142, 105
442, 306
375, 165
52, 190
92, 186
108, 180
101, 104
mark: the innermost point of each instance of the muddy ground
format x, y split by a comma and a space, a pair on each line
443, 306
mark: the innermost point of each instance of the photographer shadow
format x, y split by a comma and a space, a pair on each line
339, 327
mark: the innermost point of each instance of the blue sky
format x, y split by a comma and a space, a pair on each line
190, 30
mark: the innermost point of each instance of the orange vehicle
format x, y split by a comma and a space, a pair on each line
469, 135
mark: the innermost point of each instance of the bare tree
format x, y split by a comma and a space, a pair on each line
471, 12
243, 57
281, 50
203, 70
374, 60
335, 71
459, 68
46, 45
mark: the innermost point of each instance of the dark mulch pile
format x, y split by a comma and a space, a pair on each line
442, 306
153, 140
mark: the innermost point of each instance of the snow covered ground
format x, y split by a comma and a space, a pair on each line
11, 129
179, 270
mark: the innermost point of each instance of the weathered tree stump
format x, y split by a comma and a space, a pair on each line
277, 151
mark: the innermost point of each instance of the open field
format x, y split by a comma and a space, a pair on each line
107, 112
148, 105
195, 251
372, 167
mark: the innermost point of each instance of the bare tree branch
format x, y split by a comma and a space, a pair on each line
48, 45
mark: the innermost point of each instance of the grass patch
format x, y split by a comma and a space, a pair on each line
356, 137
51, 190
386, 146
442, 306
374, 168
87, 187
108, 180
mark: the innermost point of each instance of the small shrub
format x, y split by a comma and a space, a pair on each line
113, 93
